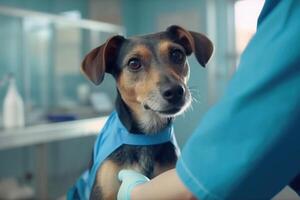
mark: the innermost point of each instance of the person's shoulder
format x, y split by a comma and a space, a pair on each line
268, 7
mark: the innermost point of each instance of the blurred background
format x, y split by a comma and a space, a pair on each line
42, 45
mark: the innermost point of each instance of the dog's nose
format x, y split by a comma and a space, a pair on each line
173, 93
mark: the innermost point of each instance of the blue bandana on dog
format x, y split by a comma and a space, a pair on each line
112, 136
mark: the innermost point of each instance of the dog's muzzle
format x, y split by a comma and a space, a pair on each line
169, 101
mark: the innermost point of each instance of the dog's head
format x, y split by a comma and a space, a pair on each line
151, 71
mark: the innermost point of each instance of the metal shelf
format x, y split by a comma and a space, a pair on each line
41, 134
82, 23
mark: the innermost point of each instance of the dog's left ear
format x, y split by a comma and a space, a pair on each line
192, 42
102, 59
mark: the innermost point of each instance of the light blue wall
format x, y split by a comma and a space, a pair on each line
66, 159
50, 6
20, 45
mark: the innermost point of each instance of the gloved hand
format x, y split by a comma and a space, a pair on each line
130, 179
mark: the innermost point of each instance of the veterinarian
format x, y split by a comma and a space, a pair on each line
248, 145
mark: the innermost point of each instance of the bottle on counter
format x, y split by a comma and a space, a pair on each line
13, 107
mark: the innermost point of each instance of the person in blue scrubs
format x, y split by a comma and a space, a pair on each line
248, 144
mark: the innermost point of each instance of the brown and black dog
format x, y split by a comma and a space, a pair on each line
151, 73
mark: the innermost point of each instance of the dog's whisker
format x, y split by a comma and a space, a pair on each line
194, 88
194, 99
191, 108
195, 91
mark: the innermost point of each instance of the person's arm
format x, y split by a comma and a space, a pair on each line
165, 186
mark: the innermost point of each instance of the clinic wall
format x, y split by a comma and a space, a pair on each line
142, 17
33, 54
13, 35
49, 6
63, 157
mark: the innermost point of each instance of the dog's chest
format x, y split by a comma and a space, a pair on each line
144, 158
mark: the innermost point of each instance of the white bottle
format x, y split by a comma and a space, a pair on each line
13, 107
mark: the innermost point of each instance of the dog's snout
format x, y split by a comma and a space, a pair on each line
173, 93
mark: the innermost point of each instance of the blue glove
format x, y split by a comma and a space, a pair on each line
129, 179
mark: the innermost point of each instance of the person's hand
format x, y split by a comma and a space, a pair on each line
129, 179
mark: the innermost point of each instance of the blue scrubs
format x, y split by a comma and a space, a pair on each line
111, 137
248, 145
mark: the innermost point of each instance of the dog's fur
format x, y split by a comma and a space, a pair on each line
151, 73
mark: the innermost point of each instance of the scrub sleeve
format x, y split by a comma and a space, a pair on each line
248, 145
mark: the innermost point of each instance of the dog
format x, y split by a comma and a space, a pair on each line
151, 74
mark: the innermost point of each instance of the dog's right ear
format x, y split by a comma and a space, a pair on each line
192, 42
102, 59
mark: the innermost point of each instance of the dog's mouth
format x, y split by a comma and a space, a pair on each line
169, 111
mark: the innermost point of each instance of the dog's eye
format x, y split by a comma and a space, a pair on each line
177, 56
134, 64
